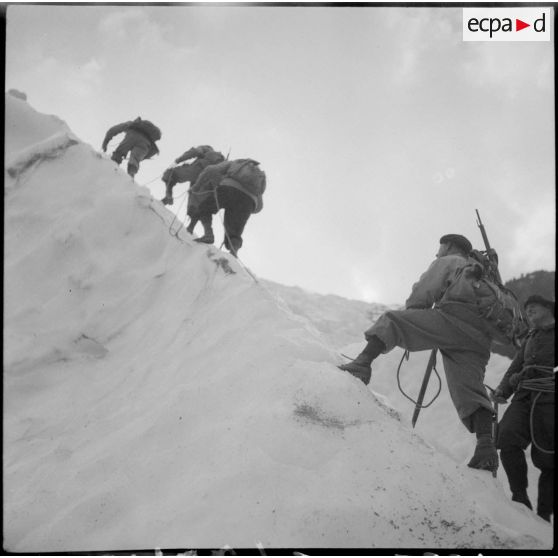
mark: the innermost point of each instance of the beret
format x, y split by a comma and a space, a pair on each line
538, 299
458, 240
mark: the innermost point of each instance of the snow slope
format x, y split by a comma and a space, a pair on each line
155, 395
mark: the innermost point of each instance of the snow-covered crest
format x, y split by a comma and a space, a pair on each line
156, 396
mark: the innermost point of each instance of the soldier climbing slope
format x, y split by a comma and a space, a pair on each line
235, 186
530, 417
139, 141
442, 313
204, 156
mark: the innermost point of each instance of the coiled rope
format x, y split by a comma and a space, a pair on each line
539, 385
406, 357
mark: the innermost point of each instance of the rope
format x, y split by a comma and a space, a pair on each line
406, 357
175, 217
156, 178
540, 386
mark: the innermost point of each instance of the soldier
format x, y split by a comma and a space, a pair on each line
235, 186
439, 317
530, 417
139, 141
204, 156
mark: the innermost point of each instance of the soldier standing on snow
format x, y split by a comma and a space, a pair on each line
204, 156
530, 417
447, 319
235, 186
139, 141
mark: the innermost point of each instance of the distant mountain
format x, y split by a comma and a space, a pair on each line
537, 282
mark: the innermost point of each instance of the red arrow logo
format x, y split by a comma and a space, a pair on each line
519, 25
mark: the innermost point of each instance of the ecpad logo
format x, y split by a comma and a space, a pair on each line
506, 24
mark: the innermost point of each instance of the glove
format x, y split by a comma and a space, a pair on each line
497, 396
104, 147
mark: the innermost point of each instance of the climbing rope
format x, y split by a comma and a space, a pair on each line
183, 196
406, 357
153, 180
539, 385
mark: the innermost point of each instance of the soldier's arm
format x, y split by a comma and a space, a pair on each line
192, 152
114, 131
505, 389
431, 285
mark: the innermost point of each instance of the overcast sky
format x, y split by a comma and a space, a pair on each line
379, 129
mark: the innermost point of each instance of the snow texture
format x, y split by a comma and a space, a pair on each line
157, 396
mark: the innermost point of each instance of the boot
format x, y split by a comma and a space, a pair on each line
515, 465
192, 225
361, 366
234, 245
167, 200
545, 503
207, 237
485, 456
132, 170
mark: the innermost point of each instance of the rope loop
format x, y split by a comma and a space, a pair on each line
406, 357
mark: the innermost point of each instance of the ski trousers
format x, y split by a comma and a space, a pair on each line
138, 149
464, 356
516, 432
238, 208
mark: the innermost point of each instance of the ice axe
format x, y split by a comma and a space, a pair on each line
429, 367
494, 419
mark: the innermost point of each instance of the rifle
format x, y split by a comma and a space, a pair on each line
490, 252
429, 367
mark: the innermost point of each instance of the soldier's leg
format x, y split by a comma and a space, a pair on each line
545, 501
238, 208
465, 376
542, 453
208, 236
513, 438
137, 154
414, 330
204, 213
464, 372
120, 152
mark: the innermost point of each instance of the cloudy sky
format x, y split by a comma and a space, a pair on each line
379, 129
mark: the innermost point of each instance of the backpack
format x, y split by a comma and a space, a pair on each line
249, 174
146, 128
497, 304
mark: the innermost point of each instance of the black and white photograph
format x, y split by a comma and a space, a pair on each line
279, 278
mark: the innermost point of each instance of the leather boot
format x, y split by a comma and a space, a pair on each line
515, 465
545, 503
207, 237
485, 456
361, 366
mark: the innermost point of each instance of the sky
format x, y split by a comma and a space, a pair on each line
379, 128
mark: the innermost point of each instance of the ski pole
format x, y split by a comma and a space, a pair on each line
429, 367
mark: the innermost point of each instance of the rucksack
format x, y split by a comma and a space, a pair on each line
249, 174
497, 304
146, 128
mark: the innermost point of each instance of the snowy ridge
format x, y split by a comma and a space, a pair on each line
156, 396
